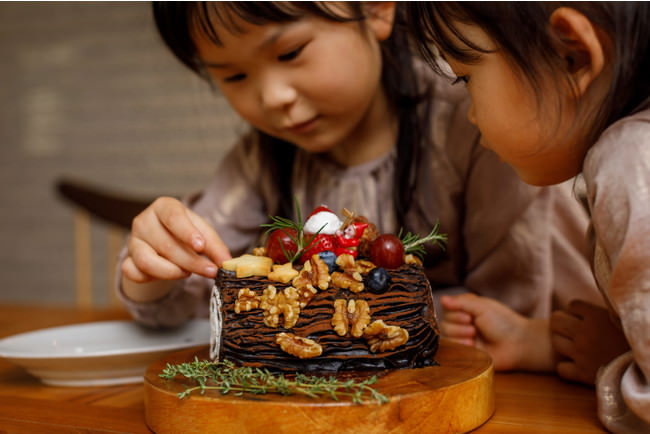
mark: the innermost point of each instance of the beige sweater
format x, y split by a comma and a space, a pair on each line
617, 180
520, 244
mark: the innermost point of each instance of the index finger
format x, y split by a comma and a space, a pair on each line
175, 217
215, 249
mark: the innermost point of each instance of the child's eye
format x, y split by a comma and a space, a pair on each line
461, 79
290, 55
234, 78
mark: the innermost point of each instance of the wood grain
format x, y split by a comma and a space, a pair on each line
525, 402
456, 396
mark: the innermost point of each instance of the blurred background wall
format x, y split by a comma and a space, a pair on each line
88, 91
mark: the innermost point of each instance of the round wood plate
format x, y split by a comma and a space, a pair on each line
456, 396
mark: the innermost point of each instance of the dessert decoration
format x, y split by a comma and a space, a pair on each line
226, 377
387, 251
248, 265
328, 295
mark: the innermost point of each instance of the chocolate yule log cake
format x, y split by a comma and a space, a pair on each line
326, 296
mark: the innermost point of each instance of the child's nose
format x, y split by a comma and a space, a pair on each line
277, 93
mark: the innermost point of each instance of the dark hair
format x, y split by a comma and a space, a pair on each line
521, 30
176, 22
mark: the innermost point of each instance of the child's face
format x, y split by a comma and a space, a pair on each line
312, 82
539, 142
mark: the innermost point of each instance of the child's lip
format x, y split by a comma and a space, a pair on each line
303, 127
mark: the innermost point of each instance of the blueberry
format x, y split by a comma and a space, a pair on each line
329, 258
378, 280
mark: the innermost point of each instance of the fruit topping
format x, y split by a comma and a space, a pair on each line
387, 251
323, 231
281, 245
329, 258
378, 280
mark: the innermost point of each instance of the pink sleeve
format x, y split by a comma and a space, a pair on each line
617, 174
235, 204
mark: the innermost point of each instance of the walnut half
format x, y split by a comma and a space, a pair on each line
314, 272
382, 337
246, 300
351, 281
411, 259
298, 346
355, 312
283, 303
350, 278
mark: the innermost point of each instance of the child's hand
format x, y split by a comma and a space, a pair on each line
587, 338
487, 324
169, 241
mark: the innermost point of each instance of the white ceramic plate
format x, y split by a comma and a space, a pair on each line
98, 353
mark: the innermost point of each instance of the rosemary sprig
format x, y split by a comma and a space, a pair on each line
226, 377
283, 224
413, 243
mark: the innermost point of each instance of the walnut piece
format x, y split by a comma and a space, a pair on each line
363, 266
348, 264
259, 251
340, 318
315, 273
246, 300
355, 312
352, 281
320, 272
283, 273
283, 303
411, 259
382, 337
305, 294
298, 346
303, 279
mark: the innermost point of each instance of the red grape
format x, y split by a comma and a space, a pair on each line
387, 251
279, 239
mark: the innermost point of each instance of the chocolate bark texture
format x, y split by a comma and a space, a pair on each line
244, 339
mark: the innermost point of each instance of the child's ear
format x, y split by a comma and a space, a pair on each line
381, 16
579, 45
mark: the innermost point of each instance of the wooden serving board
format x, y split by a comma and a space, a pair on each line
456, 396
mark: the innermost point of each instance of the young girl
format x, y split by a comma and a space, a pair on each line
557, 91
342, 115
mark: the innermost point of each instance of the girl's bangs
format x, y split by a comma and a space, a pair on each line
225, 15
211, 15
435, 25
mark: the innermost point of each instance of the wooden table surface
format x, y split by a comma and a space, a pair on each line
525, 403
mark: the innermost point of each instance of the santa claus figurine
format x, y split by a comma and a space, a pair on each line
347, 241
333, 234
323, 219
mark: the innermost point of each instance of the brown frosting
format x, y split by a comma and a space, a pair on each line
407, 303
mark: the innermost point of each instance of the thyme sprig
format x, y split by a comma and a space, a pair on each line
226, 377
282, 223
413, 243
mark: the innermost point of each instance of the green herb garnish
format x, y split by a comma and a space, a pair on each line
413, 243
226, 377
